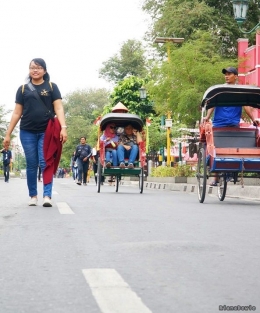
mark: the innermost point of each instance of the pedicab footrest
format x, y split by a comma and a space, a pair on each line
236, 164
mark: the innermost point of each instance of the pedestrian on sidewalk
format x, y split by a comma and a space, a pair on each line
7, 160
41, 134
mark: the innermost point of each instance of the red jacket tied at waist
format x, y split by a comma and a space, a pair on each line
52, 148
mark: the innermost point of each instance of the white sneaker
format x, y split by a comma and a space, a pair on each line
47, 202
33, 201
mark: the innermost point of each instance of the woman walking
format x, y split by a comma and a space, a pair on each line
41, 134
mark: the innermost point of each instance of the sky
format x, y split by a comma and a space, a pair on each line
73, 37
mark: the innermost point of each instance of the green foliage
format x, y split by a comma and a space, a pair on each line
130, 62
181, 18
176, 171
87, 103
127, 92
81, 109
180, 88
157, 136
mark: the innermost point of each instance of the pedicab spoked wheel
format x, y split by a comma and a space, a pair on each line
99, 175
222, 187
141, 180
117, 180
202, 175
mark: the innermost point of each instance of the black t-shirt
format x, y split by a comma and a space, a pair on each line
82, 151
35, 115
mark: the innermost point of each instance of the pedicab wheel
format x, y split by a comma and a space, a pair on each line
222, 188
141, 180
202, 175
117, 179
99, 175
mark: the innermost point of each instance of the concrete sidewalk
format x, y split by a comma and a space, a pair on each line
250, 190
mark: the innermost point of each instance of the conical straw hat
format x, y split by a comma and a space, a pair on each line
119, 106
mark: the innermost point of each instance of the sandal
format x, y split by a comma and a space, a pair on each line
214, 184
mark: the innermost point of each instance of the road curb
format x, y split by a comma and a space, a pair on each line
236, 191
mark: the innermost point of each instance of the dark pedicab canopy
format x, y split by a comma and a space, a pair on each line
231, 95
121, 120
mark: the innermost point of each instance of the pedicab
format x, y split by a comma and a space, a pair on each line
121, 120
229, 152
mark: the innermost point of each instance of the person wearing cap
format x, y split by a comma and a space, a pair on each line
229, 116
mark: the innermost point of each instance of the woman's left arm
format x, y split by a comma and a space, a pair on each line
58, 108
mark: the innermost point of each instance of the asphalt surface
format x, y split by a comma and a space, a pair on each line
161, 251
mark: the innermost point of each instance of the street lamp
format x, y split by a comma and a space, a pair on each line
142, 92
240, 8
168, 40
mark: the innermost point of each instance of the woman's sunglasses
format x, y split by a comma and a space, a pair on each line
113, 127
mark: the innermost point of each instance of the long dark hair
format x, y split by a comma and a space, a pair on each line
42, 63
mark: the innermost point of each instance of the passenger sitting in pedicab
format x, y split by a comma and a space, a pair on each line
128, 146
228, 116
111, 141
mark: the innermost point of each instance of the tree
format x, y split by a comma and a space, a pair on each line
157, 135
182, 18
129, 61
86, 103
180, 88
127, 92
81, 108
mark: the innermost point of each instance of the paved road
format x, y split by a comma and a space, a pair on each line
160, 252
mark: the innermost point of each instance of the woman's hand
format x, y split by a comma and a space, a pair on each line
127, 147
6, 142
63, 135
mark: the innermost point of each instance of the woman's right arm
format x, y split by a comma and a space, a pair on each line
17, 113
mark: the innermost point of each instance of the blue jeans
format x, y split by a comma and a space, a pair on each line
6, 172
131, 154
82, 170
33, 149
111, 154
75, 172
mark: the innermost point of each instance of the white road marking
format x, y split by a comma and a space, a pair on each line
112, 293
64, 208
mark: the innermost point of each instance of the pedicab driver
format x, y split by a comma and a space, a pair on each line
229, 116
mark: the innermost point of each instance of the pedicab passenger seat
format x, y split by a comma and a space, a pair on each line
232, 95
234, 137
